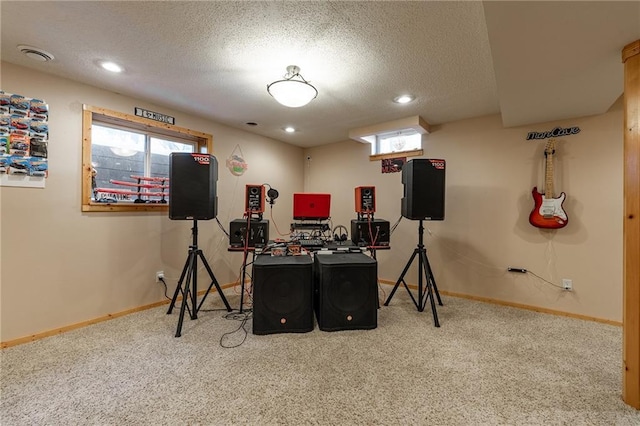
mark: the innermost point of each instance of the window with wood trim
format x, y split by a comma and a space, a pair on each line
125, 160
396, 142
405, 143
397, 138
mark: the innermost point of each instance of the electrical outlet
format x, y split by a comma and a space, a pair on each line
567, 284
159, 276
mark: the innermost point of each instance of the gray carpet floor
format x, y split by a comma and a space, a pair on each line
485, 365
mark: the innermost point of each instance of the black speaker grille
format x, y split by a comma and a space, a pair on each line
424, 189
192, 186
285, 292
282, 294
346, 291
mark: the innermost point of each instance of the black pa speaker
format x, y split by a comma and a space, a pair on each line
192, 186
423, 181
282, 294
346, 291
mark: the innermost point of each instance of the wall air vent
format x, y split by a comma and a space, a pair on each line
35, 53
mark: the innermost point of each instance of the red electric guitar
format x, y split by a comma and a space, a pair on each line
548, 212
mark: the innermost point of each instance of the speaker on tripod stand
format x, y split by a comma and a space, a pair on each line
424, 188
423, 181
192, 196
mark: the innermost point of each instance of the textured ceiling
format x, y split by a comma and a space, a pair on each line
529, 61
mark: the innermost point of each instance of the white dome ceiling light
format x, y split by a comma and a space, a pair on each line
293, 91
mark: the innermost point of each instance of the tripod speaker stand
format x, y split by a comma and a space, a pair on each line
423, 267
189, 287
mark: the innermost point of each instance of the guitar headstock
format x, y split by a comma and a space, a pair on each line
550, 148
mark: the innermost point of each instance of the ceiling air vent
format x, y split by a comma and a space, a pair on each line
35, 53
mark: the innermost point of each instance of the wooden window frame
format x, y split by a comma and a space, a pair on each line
411, 153
204, 142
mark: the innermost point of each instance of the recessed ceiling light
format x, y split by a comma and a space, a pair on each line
289, 129
35, 53
403, 99
111, 66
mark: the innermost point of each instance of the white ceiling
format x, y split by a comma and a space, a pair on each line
529, 61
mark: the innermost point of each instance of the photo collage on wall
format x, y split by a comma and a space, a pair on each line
24, 136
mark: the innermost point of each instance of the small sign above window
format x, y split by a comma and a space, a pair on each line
155, 116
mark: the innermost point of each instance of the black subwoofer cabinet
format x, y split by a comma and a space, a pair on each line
282, 294
345, 291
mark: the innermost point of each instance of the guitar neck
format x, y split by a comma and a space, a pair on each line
548, 175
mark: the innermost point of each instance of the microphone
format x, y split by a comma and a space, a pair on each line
272, 194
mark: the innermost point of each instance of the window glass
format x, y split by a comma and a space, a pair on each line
116, 155
396, 142
120, 157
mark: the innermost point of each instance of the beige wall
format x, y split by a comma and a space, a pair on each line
60, 266
490, 174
